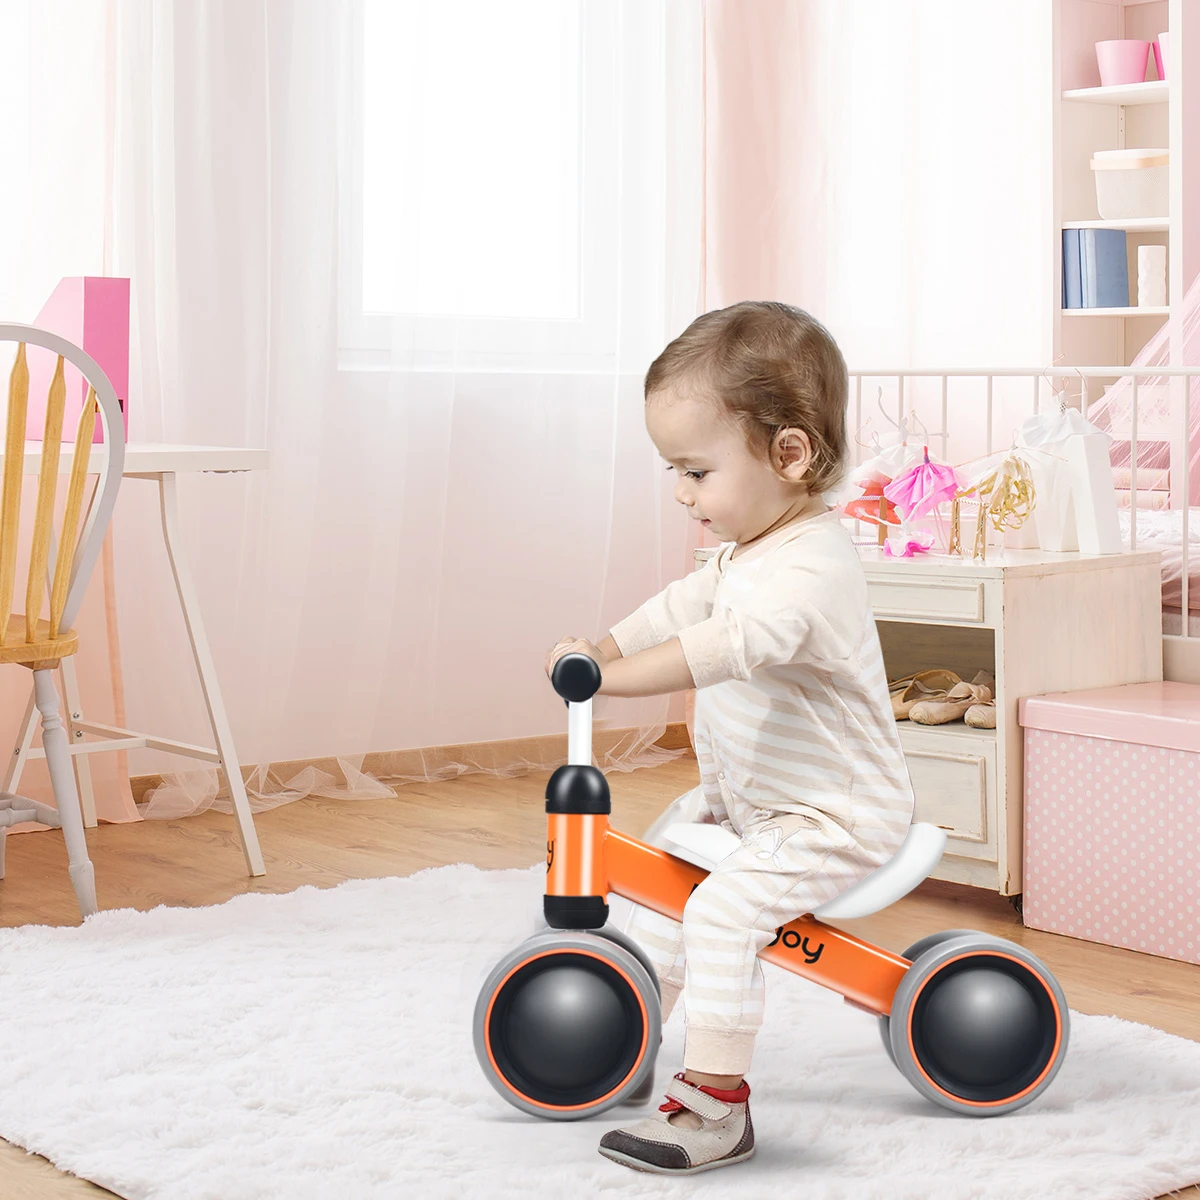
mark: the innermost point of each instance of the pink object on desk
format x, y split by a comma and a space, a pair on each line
1122, 61
1112, 816
93, 312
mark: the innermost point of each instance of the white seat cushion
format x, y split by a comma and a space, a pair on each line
707, 845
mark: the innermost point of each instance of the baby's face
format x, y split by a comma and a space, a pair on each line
718, 480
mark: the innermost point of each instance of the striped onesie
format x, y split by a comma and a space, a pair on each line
799, 756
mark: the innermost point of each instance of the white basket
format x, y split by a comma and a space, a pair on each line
1131, 183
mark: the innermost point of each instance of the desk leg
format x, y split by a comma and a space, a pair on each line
208, 675
83, 770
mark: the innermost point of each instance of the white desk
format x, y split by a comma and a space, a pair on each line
160, 462
157, 458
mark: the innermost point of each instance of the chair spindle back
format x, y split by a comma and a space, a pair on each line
77, 549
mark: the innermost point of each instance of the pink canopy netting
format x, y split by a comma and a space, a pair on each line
1156, 426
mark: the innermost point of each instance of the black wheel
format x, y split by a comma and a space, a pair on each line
914, 951
979, 1025
568, 1024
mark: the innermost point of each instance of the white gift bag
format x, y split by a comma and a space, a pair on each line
1090, 469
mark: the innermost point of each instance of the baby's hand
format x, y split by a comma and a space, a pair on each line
574, 645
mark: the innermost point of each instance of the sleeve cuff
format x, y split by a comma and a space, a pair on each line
634, 634
709, 652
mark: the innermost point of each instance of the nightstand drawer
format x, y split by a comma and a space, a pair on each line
927, 599
954, 779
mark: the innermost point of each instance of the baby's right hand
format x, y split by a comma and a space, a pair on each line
552, 655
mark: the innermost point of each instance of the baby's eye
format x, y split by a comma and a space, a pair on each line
690, 474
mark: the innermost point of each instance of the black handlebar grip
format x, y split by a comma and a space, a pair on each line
576, 677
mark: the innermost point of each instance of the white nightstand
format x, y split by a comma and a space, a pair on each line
1041, 622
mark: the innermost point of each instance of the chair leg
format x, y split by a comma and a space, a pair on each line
66, 796
16, 764
83, 769
3, 839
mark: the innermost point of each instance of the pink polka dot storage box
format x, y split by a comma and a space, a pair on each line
1112, 816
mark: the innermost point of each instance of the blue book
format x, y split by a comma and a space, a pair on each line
1104, 268
1072, 289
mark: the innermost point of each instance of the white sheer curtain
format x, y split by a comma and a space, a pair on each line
448, 493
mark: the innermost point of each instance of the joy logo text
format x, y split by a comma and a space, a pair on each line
793, 941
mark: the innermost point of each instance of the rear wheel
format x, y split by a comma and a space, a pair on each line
913, 952
568, 1024
979, 1025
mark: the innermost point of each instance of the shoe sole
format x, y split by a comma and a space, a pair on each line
650, 1169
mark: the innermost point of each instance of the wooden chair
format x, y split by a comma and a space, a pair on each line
60, 562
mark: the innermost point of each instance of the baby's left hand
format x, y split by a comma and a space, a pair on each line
573, 645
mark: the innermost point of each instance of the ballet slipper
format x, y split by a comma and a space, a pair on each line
983, 716
924, 685
958, 699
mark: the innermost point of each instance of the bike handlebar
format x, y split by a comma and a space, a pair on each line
576, 677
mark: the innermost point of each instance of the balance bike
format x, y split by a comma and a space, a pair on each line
568, 1024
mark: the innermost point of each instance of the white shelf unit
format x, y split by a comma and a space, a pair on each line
1134, 310
1129, 224
1153, 91
1086, 117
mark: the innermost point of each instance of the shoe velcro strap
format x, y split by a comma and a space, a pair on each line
701, 1103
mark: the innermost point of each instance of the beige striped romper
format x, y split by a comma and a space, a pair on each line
799, 756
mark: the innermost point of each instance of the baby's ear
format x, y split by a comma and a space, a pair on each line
793, 454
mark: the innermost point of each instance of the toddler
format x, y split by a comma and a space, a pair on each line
797, 746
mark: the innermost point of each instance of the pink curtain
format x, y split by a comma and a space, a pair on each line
761, 171
754, 194
853, 150
851, 156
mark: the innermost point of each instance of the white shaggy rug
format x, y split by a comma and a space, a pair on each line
317, 1046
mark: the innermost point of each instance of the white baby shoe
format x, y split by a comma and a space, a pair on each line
725, 1136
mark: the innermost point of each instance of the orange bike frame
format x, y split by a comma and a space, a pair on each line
585, 856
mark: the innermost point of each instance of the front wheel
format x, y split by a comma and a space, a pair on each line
979, 1025
568, 1025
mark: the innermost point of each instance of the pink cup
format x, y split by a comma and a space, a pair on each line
1160, 55
1122, 61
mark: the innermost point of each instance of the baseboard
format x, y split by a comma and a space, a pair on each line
509, 755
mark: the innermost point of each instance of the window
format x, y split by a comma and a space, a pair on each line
503, 161
471, 124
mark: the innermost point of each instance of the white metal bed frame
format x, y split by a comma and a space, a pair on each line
1044, 382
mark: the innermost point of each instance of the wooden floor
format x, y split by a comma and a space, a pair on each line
492, 822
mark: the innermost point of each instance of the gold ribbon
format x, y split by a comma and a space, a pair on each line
1006, 498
